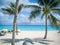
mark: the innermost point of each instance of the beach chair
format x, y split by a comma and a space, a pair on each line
2, 34
4, 30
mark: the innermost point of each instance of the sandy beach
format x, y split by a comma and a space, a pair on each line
32, 38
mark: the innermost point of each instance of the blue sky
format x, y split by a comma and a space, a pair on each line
22, 19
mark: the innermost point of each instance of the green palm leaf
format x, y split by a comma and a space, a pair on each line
7, 10
43, 14
53, 3
20, 7
56, 10
59, 1
41, 2
54, 21
12, 4
34, 13
32, 6
12, 8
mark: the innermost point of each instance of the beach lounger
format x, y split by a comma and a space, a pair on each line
2, 34
4, 30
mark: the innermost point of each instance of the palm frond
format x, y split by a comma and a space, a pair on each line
32, 6
59, 1
47, 2
12, 4
41, 2
7, 10
34, 13
12, 8
44, 13
44, 2
53, 3
56, 10
20, 7
54, 21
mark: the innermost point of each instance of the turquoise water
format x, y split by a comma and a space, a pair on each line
28, 27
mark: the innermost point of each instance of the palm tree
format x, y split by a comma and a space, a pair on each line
48, 9
59, 28
14, 9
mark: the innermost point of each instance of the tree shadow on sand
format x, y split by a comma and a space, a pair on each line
10, 40
28, 40
43, 41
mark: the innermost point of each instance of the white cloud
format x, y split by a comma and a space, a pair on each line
22, 18
1, 7
28, 10
20, 1
5, 19
26, 2
57, 16
38, 21
3, 15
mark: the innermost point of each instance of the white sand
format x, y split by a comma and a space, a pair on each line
53, 38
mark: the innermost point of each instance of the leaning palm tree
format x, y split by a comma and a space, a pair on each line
59, 28
14, 9
48, 9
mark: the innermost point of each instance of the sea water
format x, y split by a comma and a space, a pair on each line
28, 27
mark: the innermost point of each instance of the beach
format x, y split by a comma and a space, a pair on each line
31, 37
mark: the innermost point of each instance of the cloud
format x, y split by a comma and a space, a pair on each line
23, 16
24, 20
57, 16
38, 21
5, 19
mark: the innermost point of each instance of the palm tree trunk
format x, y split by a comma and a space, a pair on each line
46, 28
59, 31
14, 29
15, 23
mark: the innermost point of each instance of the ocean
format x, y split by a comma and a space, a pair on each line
28, 27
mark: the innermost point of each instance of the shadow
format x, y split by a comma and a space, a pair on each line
42, 41
28, 40
25, 40
2, 34
10, 40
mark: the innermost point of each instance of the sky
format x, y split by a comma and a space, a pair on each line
23, 16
